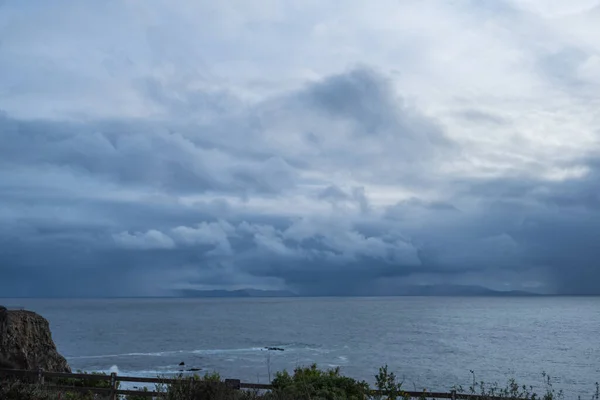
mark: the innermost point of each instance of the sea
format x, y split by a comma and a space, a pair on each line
431, 343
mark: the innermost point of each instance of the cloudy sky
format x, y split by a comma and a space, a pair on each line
325, 147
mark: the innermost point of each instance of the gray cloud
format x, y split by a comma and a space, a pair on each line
167, 163
483, 116
138, 154
122, 196
152, 239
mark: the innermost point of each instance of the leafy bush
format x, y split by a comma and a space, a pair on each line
311, 383
83, 383
210, 386
386, 382
16, 390
27, 389
89, 383
138, 397
6, 364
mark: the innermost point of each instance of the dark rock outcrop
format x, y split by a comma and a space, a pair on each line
5, 364
274, 348
26, 342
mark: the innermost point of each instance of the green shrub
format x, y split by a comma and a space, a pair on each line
138, 397
83, 382
16, 390
385, 381
6, 364
208, 387
311, 383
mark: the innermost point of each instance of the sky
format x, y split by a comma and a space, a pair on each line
323, 147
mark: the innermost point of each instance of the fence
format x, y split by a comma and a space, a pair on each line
113, 392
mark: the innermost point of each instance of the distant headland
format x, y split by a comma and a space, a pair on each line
412, 290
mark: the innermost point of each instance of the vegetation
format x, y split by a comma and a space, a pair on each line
513, 390
88, 383
305, 383
209, 387
23, 390
5, 364
312, 384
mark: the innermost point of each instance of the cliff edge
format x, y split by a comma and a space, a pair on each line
26, 342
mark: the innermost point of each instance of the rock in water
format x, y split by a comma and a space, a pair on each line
26, 342
274, 348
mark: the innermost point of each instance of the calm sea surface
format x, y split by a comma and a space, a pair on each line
433, 342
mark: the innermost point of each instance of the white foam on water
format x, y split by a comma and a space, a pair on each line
154, 354
157, 373
227, 351
174, 352
249, 355
143, 373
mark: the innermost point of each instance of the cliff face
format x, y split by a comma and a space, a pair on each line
26, 342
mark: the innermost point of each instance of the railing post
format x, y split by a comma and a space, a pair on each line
113, 386
453, 394
40, 376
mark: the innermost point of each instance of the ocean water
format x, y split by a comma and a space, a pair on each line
430, 342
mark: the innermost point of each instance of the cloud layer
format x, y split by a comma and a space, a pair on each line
329, 149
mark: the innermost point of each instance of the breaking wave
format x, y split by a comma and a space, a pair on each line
197, 351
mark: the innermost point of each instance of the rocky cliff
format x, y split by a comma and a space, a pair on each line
26, 342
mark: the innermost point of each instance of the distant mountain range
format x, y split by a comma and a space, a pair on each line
457, 290
415, 290
236, 293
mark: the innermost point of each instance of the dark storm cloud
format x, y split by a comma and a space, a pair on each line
136, 153
561, 232
368, 99
130, 207
345, 121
